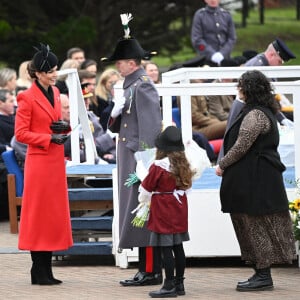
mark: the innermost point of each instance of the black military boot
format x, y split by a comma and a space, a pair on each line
261, 281
179, 286
245, 281
168, 290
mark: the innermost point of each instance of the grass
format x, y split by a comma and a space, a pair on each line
280, 23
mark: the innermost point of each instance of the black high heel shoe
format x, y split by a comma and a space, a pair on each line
48, 265
54, 280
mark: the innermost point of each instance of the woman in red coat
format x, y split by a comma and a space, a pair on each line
45, 217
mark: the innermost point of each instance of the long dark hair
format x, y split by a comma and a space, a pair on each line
257, 90
179, 167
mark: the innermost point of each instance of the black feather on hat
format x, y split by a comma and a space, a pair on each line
170, 140
128, 47
44, 59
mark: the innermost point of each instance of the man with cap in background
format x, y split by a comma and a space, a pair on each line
276, 54
139, 118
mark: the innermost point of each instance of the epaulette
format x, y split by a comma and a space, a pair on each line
145, 78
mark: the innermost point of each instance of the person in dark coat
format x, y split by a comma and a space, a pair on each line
252, 188
138, 114
7, 127
213, 32
7, 119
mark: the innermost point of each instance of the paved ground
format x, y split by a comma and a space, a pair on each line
98, 278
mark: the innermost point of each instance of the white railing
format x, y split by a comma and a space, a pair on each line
177, 83
78, 116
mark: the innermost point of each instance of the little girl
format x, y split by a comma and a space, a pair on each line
169, 177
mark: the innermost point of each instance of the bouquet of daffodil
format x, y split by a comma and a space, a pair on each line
143, 209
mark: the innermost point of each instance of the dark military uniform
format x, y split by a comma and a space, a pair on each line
258, 60
213, 31
140, 124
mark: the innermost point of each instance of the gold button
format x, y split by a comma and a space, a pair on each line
123, 139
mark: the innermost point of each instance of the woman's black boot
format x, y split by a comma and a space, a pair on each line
179, 286
48, 264
39, 273
250, 278
168, 290
261, 281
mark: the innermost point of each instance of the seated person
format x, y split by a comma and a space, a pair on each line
7, 125
20, 151
104, 141
219, 105
202, 142
202, 121
103, 104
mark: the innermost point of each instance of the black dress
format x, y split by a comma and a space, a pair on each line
253, 192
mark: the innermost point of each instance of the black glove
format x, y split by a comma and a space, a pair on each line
60, 126
59, 138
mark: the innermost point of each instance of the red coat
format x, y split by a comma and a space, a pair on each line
168, 215
45, 217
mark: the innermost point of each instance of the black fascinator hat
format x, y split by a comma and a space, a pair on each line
170, 140
44, 59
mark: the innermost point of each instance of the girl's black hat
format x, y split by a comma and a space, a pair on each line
170, 140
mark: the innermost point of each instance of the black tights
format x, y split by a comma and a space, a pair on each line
174, 258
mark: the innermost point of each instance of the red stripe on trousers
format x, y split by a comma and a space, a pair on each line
149, 259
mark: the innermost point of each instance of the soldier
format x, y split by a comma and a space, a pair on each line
276, 54
140, 122
213, 32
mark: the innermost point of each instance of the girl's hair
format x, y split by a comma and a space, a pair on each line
257, 90
101, 90
179, 167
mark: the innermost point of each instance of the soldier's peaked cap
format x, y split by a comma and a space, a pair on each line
284, 52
